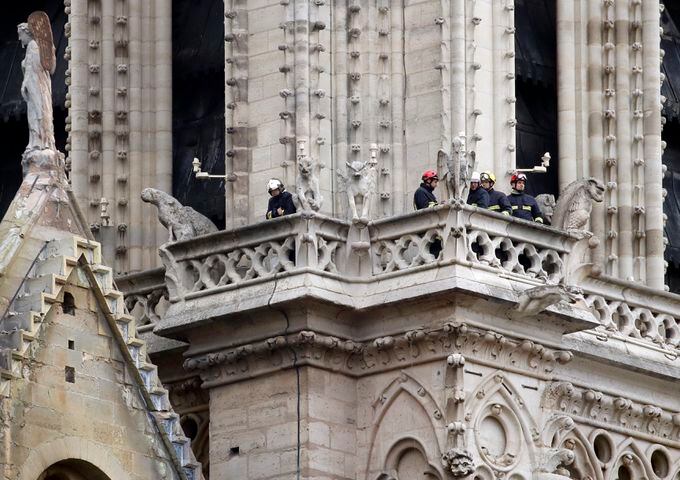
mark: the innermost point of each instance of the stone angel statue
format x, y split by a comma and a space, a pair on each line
36, 89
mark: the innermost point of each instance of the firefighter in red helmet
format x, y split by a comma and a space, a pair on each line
524, 206
424, 196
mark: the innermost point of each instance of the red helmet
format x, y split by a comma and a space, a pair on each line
516, 177
430, 175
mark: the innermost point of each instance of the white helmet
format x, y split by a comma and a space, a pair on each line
474, 177
275, 184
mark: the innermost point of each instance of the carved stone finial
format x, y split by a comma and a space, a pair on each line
182, 222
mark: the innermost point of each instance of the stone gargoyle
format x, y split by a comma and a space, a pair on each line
459, 165
546, 202
459, 462
360, 182
182, 222
534, 300
307, 194
550, 463
574, 205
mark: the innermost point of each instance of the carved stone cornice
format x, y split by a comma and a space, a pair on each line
595, 406
383, 353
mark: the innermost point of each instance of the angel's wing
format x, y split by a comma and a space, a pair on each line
41, 29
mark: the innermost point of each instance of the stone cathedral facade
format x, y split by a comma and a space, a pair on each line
356, 339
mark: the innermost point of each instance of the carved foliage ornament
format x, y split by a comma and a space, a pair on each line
622, 412
384, 352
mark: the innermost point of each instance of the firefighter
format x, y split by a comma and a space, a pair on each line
477, 196
280, 202
424, 196
498, 201
524, 206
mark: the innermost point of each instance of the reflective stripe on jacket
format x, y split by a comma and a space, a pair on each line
524, 206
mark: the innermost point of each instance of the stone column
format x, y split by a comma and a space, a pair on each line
566, 98
652, 141
622, 116
595, 132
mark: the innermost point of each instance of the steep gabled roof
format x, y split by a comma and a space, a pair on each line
42, 250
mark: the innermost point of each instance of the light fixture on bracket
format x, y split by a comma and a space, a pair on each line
201, 175
542, 168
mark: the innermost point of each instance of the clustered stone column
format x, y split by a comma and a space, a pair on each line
614, 133
120, 118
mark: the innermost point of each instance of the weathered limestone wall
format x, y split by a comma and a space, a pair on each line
259, 438
521, 418
99, 417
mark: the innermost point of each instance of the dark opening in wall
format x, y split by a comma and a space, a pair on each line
69, 304
536, 91
13, 123
198, 127
70, 374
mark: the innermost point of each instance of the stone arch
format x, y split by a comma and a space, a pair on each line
407, 447
517, 424
405, 388
632, 457
73, 469
71, 448
585, 461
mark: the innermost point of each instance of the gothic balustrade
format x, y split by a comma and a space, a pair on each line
623, 309
467, 235
310, 242
146, 297
254, 253
486, 242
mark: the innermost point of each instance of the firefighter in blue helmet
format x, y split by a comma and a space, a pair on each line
477, 197
524, 206
498, 201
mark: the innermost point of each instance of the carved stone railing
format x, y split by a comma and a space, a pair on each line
228, 259
456, 239
468, 235
146, 297
441, 236
626, 309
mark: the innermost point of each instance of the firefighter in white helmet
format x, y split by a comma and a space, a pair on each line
477, 197
280, 201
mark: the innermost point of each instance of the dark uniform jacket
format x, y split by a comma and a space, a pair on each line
282, 200
478, 198
424, 198
498, 202
524, 206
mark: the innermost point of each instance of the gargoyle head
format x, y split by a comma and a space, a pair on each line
356, 167
546, 203
305, 166
459, 462
150, 195
595, 189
